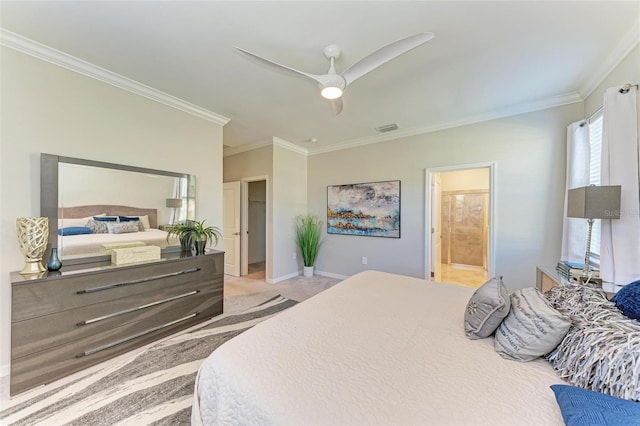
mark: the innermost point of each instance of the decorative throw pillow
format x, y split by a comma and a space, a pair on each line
122, 227
67, 222
74, 230
144, 220
106, 218
135, 219
582, 407
486, 309
97, 226
601, 351
627, 299
532, 328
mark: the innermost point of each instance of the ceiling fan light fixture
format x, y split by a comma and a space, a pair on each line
331, 92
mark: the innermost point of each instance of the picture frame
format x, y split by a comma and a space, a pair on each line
369, 209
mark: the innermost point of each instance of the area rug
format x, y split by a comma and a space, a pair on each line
153, 387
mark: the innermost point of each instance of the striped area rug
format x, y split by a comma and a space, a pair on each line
152, 387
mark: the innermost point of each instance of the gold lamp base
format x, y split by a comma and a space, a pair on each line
33, 266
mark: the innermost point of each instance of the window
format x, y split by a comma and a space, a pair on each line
595, 173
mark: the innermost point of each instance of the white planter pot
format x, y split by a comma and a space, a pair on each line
308, 271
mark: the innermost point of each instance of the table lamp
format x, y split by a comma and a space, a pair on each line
174, 203
593, 202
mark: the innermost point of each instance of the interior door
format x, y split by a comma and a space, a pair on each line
231, 228
436, 227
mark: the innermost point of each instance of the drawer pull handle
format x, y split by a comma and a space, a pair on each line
135, 336
142, 280
137, 308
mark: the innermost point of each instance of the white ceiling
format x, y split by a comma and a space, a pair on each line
488, 59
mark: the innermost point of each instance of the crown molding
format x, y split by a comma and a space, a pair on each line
628, 42
56, 57
290, 146
552, 102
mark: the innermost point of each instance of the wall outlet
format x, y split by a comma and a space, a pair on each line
364, 260
293, 255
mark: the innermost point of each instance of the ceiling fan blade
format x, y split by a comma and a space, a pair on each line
336, 105
280, 66
384, 55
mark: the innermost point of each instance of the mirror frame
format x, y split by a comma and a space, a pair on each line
49, 192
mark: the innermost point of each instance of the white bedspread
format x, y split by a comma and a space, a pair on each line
92, 243
377, 348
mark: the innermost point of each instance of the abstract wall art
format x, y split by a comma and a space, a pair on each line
369, 209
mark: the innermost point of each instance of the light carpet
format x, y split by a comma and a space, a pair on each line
154, 387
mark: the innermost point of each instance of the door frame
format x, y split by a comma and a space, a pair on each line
429, 175
244, 225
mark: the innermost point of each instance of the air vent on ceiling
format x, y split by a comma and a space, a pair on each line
387, 128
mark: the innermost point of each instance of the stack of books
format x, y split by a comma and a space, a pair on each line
573, 271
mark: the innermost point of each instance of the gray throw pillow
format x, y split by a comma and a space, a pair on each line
532, 328
122, 227
486, 309
97, 227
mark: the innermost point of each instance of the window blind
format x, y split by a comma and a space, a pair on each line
595, 172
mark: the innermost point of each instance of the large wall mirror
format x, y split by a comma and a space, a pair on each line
74, 191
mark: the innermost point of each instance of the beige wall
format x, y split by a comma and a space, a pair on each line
250, 164
459, 180
46, 108
627, 71
289, 201
529, 151
286, 198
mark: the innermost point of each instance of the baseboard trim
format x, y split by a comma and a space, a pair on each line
332, 275
283, 278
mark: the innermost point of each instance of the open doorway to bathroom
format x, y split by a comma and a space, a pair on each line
460, 223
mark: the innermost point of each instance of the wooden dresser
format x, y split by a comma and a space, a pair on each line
66, 321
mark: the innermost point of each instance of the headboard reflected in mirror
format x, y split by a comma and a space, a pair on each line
75, 189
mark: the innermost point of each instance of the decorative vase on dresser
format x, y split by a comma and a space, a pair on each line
54, 263
33, 234
68, 320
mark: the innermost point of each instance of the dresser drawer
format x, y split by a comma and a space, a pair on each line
51, 364
44, 332
36, 299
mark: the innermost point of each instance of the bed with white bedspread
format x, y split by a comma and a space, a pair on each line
377, 348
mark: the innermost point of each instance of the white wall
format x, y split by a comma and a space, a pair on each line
289, 201
46, 108
529, 150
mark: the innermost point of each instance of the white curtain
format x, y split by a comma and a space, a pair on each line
176, 214
574, 231
620, 245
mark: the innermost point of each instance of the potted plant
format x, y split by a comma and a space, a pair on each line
194, 235
308, 240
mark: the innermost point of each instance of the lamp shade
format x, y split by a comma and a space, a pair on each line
594, 202
175, 203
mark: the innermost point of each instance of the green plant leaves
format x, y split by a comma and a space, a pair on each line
308, 229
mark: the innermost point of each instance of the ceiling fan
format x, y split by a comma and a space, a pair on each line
333, 84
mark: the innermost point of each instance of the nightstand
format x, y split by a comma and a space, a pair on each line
166, 228
547, 277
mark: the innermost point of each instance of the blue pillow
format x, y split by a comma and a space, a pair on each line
74, 230
583, 407
128, 218
627, 299
106, 218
